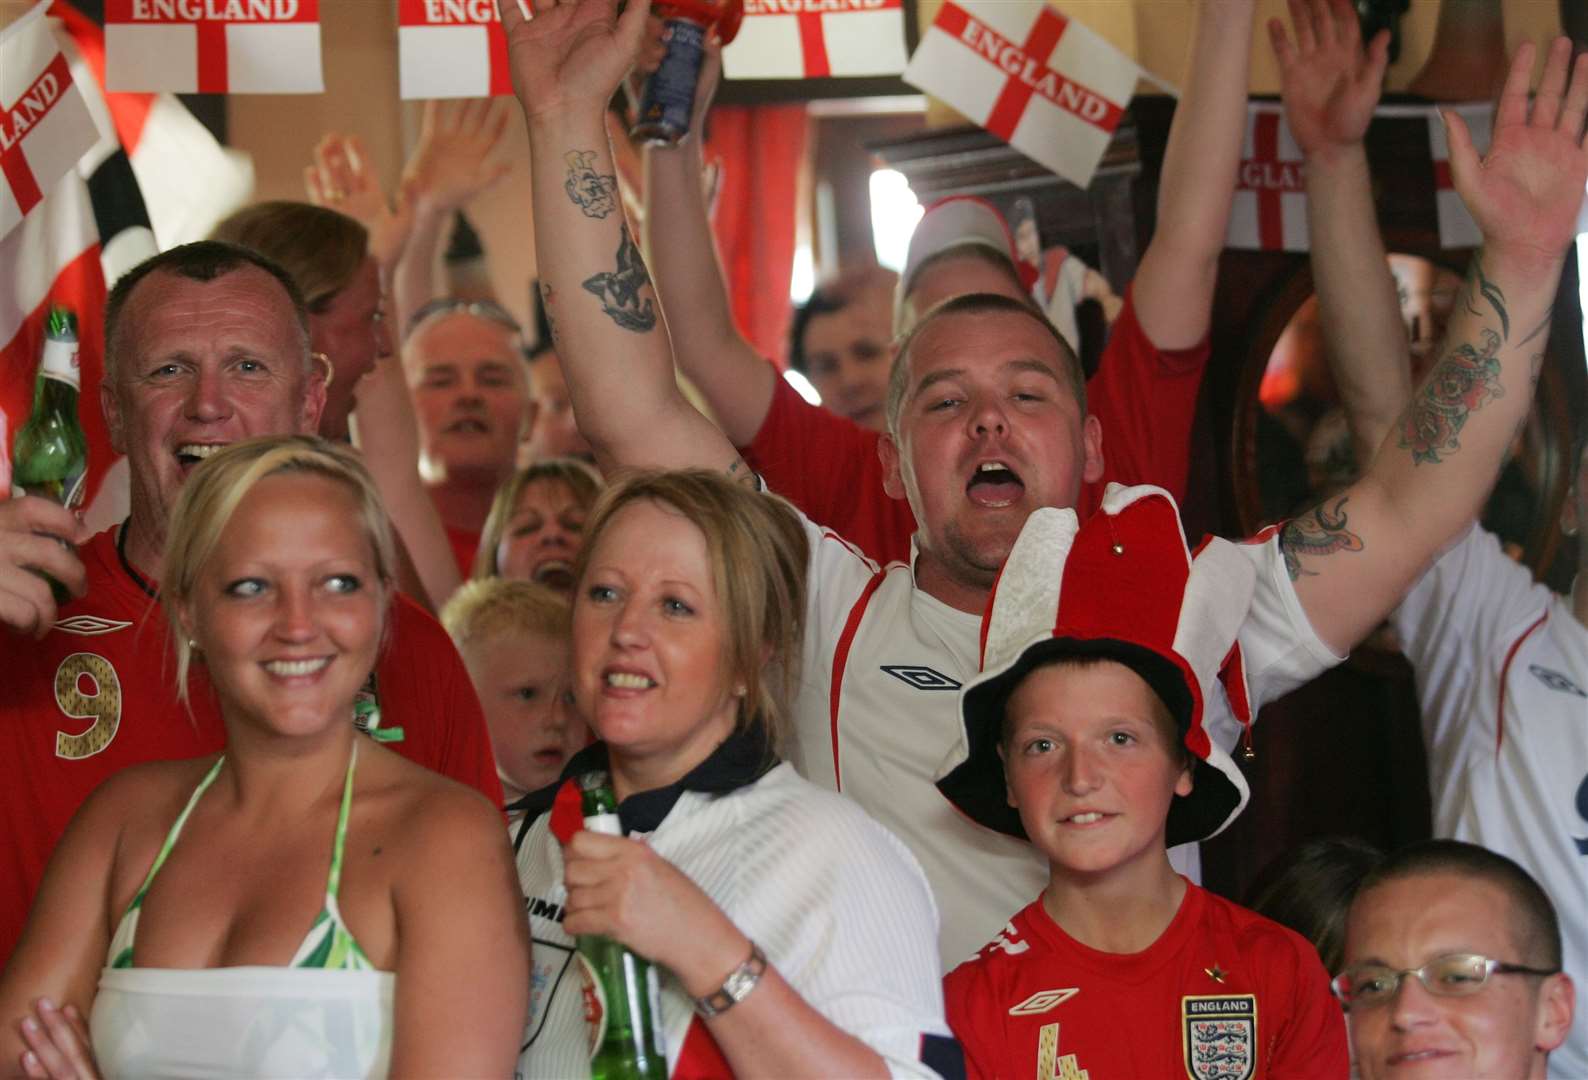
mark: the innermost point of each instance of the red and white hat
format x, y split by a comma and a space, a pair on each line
1122, 587
959, 221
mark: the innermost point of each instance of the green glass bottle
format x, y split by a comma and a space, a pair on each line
622, 997
50, 455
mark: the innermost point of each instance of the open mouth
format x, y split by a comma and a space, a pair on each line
628, 680
467, 426
994, 485
554, 574
288, 669
188, 455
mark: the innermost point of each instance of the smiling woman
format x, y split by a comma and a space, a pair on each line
277, 910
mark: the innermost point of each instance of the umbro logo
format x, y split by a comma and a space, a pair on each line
89, 625
921, 678
1044, 1001
1555, 680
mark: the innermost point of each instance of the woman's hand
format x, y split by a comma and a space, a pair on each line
343, 178
621, 889
571, 52
457, 155
59, 1047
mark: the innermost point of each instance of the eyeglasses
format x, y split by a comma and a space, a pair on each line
1456, 975
489, 310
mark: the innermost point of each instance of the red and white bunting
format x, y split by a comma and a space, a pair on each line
451, 49
1269, 212
1039, 80
815, 39
1456, 227
214, 46
45, 125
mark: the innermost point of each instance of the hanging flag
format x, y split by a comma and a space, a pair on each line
1456, 227
45, 126
214, 46
94, 225
451, 49
1039, 80
1269, 212
815, 39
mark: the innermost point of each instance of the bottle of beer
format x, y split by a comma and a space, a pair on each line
668, 100
50, 455
622, 998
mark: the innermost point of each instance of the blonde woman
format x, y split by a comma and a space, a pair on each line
307, 903
797, 936
536, 525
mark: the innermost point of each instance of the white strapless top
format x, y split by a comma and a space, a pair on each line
243, 1022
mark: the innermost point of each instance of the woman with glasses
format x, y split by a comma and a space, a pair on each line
1452, 967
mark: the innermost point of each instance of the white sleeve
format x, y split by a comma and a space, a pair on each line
1279, 648
863, 952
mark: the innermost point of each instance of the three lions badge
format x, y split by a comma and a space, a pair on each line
1220, 1036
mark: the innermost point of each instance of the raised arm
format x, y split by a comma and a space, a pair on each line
736, 382
1354, 556
1173, 288
603, 312
1331, 85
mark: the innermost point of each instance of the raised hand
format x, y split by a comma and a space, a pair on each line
343, 178
1526, 192
571, 52
1329, 82
456, 157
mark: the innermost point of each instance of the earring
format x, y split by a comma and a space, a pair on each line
323, 362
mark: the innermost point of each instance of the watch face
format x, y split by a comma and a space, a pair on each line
1293, 445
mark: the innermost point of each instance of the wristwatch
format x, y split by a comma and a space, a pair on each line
736, 987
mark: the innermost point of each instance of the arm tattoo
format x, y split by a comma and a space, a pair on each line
1464, 380
591, 192
546, 296
1478, 285
1319, 532
1542, 327
619, 291
741, 473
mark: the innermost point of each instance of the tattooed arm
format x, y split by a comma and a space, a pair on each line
598, 296
1354, 557
1331, 85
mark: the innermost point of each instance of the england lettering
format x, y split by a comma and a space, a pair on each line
814, 7
460, 12
35, 102
1014, 62
215, 10
1271, 176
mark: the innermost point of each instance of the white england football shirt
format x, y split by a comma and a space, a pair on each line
877, 718
1502, 678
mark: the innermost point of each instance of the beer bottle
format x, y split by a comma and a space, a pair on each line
622, 997
668, 100
50, 455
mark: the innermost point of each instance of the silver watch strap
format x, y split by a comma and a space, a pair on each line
736, 987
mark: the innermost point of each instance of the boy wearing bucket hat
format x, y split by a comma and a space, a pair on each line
1112, 678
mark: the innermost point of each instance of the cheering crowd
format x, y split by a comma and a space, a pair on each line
258, 762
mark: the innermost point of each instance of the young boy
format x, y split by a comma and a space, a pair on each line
513, 636
1088, 733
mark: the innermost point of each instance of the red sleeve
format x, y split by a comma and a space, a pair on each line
827, 466
1146, 400
974, 1018
1311, 1040
424, 689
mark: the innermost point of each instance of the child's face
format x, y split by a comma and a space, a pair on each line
522, 680
1091, 766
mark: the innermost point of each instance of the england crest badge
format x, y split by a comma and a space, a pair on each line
1220, 1036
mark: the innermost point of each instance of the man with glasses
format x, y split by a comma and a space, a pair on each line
1452, 967
465, 367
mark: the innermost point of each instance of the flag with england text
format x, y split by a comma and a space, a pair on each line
816, 39
45, 125
451, 49
1045, 84
1269, 211
213, 46
94, 225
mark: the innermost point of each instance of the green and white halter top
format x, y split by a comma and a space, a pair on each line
328, 1013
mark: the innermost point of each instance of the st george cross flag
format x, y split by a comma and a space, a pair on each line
814, 39
45, 125
214, 46
1269, 212
1042, 82
451, 49
1456, 227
